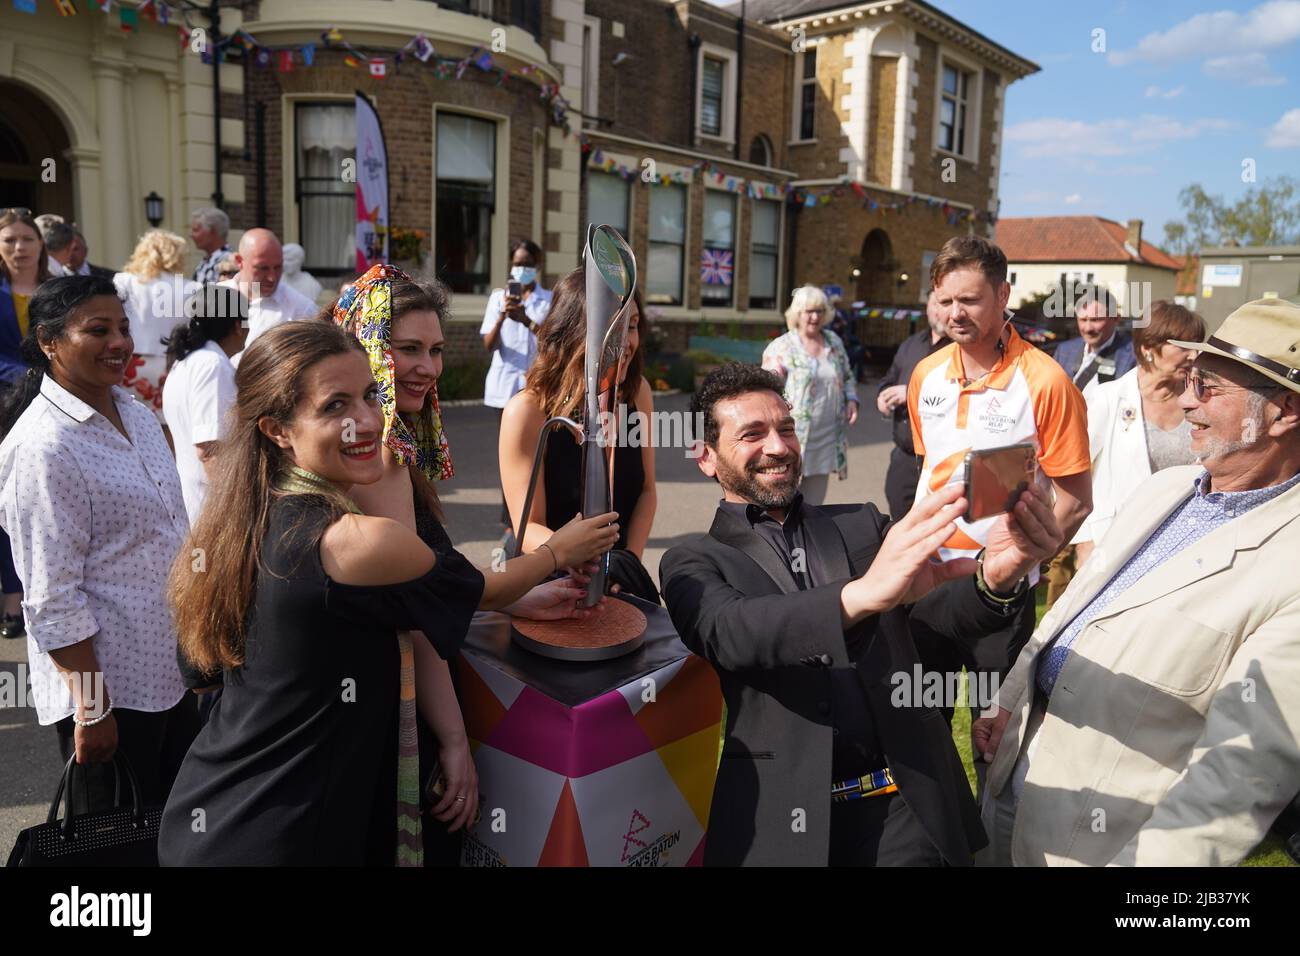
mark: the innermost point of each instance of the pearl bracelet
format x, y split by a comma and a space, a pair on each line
94, 720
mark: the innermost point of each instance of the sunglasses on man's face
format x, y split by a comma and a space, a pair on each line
1202, 390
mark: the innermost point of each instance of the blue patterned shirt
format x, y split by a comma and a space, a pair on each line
1196, 517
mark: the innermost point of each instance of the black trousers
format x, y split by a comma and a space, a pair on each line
900, 482
154, 743
879, 831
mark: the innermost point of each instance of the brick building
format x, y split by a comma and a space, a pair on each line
811, 141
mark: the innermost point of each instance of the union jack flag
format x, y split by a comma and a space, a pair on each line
715, 267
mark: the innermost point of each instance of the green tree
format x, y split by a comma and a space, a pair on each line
1265, 215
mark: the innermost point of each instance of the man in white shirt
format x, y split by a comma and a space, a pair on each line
271, 302
510, 325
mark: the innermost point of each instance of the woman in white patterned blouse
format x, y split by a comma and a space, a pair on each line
90, 497
820, 387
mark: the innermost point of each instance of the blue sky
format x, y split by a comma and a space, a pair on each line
1184, 93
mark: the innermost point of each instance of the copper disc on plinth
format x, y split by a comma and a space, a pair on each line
611, 630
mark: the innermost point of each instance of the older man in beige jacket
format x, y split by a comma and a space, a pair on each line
1154, 717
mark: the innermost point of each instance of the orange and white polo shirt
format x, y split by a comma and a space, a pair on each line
1026, 397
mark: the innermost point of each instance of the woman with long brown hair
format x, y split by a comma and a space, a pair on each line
555, 386
309, 756
398, 320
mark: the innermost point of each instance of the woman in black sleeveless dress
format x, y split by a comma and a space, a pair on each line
309, 757
555, 387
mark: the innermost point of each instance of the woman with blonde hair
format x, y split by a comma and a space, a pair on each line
154, 291
820, 387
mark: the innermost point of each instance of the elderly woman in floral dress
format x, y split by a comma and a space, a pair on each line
820, 387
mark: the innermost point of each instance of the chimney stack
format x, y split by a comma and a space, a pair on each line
1133, 237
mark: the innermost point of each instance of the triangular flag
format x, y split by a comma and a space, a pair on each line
106, 6
286, 61
147, 10
483, 61
25, 6
308, 54
66, 8
351, 61
332, 35
164, 14
423, 48
378, 67
128, 19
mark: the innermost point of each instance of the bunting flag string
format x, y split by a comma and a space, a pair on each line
381, 66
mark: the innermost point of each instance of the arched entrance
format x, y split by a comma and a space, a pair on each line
876, 280
31, 133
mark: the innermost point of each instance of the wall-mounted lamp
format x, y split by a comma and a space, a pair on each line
153, 208
856, 272
902, 278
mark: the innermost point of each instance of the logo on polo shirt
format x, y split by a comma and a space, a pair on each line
934, 401
992, 419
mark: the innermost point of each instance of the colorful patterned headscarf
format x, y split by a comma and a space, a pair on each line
366, 310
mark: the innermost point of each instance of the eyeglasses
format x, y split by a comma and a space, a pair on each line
1202, 389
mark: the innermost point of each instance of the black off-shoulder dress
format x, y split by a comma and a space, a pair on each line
298, 763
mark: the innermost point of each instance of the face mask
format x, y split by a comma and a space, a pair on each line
525, 275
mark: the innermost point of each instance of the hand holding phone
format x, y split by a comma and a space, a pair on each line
995, 478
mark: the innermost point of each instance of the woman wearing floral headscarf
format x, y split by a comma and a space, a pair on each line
399, 322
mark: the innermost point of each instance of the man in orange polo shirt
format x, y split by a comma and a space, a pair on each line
991, 388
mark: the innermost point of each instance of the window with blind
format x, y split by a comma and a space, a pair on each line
664, 268
764, 251
465, 201
718, 257
325, 134
711, 96
607, 201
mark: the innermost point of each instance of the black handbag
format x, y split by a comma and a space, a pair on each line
119, 837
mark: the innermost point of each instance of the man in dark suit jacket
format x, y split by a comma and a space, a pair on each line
1102, 352
806, 613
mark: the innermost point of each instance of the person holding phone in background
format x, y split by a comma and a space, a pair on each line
509, 330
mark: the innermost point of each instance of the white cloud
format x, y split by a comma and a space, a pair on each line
1268, 26
1073, 199
1154, 92
1252, 69
1285, 133
1079, 139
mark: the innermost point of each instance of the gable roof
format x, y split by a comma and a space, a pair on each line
1075, 239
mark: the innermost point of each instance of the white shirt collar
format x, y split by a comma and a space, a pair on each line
74, 407
1088, 351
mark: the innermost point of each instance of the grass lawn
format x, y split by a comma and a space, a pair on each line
1268, 853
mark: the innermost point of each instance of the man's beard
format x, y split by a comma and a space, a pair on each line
1252, 429
746, 483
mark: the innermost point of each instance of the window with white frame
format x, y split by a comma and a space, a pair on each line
764, 252
326, 135
465, 201
718, 257
607, 201
805, 94
667, 245
716, 93
956, 109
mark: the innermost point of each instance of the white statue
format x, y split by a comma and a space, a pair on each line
304, 282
